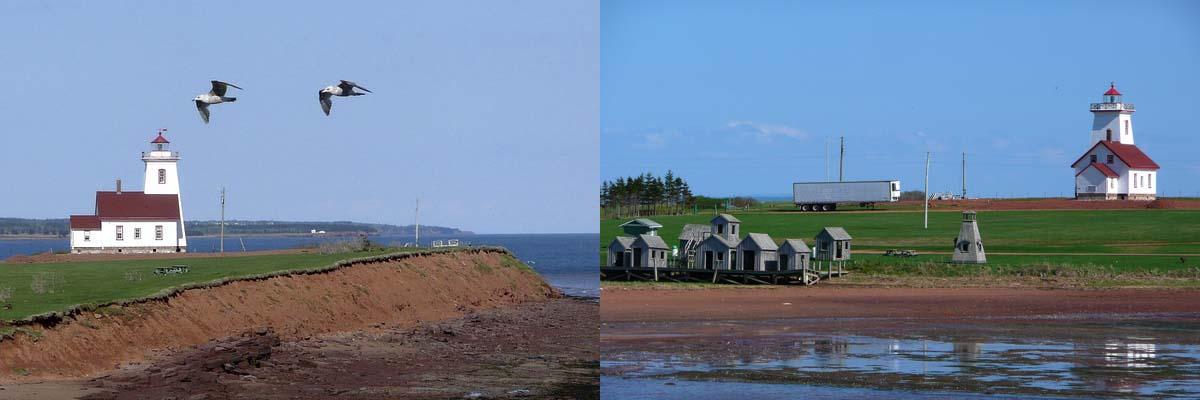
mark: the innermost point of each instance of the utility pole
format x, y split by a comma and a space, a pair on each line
841, 159
964, 175
927, 155
826, 160
222, 220
417, 223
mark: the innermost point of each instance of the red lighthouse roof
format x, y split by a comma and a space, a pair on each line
1112, 90
160, 139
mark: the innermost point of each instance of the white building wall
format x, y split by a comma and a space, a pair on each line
106, 237
1143, 182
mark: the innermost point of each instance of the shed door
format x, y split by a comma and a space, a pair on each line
637, 257
748, 260
708, 259
783, 262
838, 247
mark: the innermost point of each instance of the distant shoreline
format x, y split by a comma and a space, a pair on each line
231, 235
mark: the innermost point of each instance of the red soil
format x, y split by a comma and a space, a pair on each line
405, 292
1054, 204
840, 302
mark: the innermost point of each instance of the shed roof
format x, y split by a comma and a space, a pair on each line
729, 243
694, 232
724, 218
643, 222
835, 233
651, 241
623, 242
762, 241
795, 245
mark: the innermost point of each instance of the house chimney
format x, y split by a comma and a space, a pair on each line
118, 186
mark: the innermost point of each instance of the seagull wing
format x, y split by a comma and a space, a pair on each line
346, 85
203, 109
326, 102
219, 88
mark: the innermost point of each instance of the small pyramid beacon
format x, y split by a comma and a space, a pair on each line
968, 246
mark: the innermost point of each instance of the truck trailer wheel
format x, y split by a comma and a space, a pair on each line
804, 207
826, 207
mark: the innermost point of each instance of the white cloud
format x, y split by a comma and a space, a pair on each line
767, 131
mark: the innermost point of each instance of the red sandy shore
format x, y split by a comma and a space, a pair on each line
1055, 204
618, 305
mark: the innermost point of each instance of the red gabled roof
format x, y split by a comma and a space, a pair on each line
1112, 91
1130, 154
1104, 169
160, 139
136, 205
88, 222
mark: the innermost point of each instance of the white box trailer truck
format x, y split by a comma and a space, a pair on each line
825, 196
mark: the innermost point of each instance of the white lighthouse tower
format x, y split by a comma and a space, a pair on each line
1113, 168
162, 176
1112, 120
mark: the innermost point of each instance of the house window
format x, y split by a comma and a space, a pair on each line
158, 232
1112, 183
120, 232
1135, 180
1126, 131
87, 236
137, 233
720, 229
1093, 158
1110, 158
1151, 181
162, 176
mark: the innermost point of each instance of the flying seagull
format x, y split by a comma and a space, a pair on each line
214, 96
344, 89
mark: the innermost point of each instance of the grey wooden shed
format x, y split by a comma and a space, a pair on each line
689, 240
620, 252
794, 255
641, 226
649, 251
758, 252
832, 244
716, 252
726, 225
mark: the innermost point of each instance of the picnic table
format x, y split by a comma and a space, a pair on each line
900, 253
174, 269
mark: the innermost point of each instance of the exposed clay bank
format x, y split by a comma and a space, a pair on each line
405, 290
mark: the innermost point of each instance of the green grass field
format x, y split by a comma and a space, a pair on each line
62, 285
1106, 233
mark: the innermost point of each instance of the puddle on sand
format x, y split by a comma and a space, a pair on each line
1154, 358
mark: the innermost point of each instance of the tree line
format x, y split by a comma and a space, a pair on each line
646, 194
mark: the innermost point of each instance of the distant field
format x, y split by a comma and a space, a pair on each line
1164, 233
66, 284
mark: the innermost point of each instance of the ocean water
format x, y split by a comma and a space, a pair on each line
567, 261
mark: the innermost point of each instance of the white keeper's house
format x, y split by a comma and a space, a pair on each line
150, 221
1114, 168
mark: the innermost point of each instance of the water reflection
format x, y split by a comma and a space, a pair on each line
1077, 363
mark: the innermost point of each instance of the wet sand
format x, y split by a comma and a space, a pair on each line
621, 305
538, 349
915, 343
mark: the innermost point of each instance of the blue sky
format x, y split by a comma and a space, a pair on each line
487, 111
740, 98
